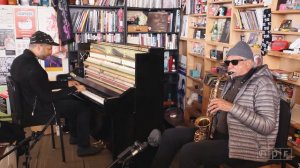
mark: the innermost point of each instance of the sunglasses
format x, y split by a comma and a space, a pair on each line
233, 62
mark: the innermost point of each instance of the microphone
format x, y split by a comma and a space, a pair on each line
138, 147
135, 149
154, 138
129, 152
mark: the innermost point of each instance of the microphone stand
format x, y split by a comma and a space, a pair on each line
35, 137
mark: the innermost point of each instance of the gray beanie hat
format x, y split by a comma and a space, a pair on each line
241, 49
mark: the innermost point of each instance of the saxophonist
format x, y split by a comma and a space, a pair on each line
246, 119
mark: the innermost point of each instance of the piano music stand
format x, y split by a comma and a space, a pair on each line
35, 137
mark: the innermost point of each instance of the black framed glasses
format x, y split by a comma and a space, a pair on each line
233, 62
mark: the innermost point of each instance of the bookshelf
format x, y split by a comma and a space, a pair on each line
195, 27
275, 60
218, 39
248, 24
97, 24
202, 15
253, 17
281, 60
132, 22
195, 64
285, 61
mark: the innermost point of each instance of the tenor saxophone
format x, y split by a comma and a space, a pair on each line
204, 123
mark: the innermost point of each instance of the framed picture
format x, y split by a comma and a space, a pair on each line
225, 51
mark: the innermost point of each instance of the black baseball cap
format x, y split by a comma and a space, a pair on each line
40, 37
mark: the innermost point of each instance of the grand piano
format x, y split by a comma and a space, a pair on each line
127, 83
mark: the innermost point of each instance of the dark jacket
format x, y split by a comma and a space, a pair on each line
35, 86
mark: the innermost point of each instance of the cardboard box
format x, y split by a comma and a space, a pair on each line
137, 28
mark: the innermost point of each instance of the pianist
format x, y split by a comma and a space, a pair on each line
39, 100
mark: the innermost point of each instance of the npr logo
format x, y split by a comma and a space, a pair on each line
278, 153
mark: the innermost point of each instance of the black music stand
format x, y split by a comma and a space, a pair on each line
35, 137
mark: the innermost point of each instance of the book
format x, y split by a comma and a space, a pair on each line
226, 32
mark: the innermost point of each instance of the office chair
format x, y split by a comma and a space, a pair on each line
17, 113
281, 143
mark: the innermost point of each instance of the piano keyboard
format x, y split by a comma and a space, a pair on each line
93, 96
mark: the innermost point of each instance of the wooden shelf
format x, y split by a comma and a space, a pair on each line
215, 43
95, 7
286, 33
249, 6
152, 9
195, 79
215, 74
197, 40
221, 2
285, 12
219, 17
183, 38
295, 125
290, 82
243, 30
214, 60
284, 55
149, 32
196, 55
198, 14
198, 91
192, 27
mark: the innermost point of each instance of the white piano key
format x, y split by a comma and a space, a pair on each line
93, 96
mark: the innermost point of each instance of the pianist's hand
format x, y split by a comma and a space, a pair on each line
73, 83
80, 88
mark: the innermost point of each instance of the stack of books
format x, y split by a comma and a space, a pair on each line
280, 74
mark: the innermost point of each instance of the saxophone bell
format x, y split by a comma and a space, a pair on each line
203, 124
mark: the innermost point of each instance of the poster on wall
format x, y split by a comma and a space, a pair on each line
7, 41
25, 21
57, 63
5, 63
6, 19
